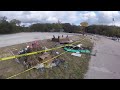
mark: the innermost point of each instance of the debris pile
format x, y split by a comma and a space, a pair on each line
62, 40
38, 60
54, 63
44, 60
33, 46
29, 61
76, 50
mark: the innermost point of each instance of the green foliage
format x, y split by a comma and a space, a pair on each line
104, 30
14, 27
54, 27
15, 22
5, 27
9, 27
84, 24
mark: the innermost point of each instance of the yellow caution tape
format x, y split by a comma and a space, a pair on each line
41, 63
20, 73
34, 66
32, 53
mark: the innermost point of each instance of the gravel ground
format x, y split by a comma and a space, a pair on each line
106, 63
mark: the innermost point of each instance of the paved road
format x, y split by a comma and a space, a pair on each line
106, 65
11, 39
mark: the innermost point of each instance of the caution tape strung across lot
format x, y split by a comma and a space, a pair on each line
37, 52
34, 66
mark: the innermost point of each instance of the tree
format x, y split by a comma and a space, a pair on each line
104, 30
15, 22
3, 19
67, 27
84, 25
6, 27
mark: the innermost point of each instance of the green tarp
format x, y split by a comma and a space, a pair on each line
74, 51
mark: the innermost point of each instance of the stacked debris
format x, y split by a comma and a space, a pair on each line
53, 63
57, 62
25, 50
29, 61
39, 61
62, 40
35, 46
44, 57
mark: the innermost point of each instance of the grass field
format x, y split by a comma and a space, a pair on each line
73, 68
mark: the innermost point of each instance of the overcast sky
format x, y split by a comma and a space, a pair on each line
73, 17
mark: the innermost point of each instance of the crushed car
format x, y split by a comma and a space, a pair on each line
76, 49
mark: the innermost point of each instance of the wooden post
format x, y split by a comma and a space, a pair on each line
53, 36
67, 36
58, 38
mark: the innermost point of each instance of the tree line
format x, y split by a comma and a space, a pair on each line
104, 30
13, 26
7, 27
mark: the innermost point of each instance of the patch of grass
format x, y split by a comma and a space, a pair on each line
73, 68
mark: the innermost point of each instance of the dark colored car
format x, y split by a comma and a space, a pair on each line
114, 38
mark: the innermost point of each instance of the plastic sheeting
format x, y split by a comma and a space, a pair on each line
76, 54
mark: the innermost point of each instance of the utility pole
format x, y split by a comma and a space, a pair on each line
113, 22
60, 26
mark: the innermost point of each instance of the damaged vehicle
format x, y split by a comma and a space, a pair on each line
114, 38
75, 49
